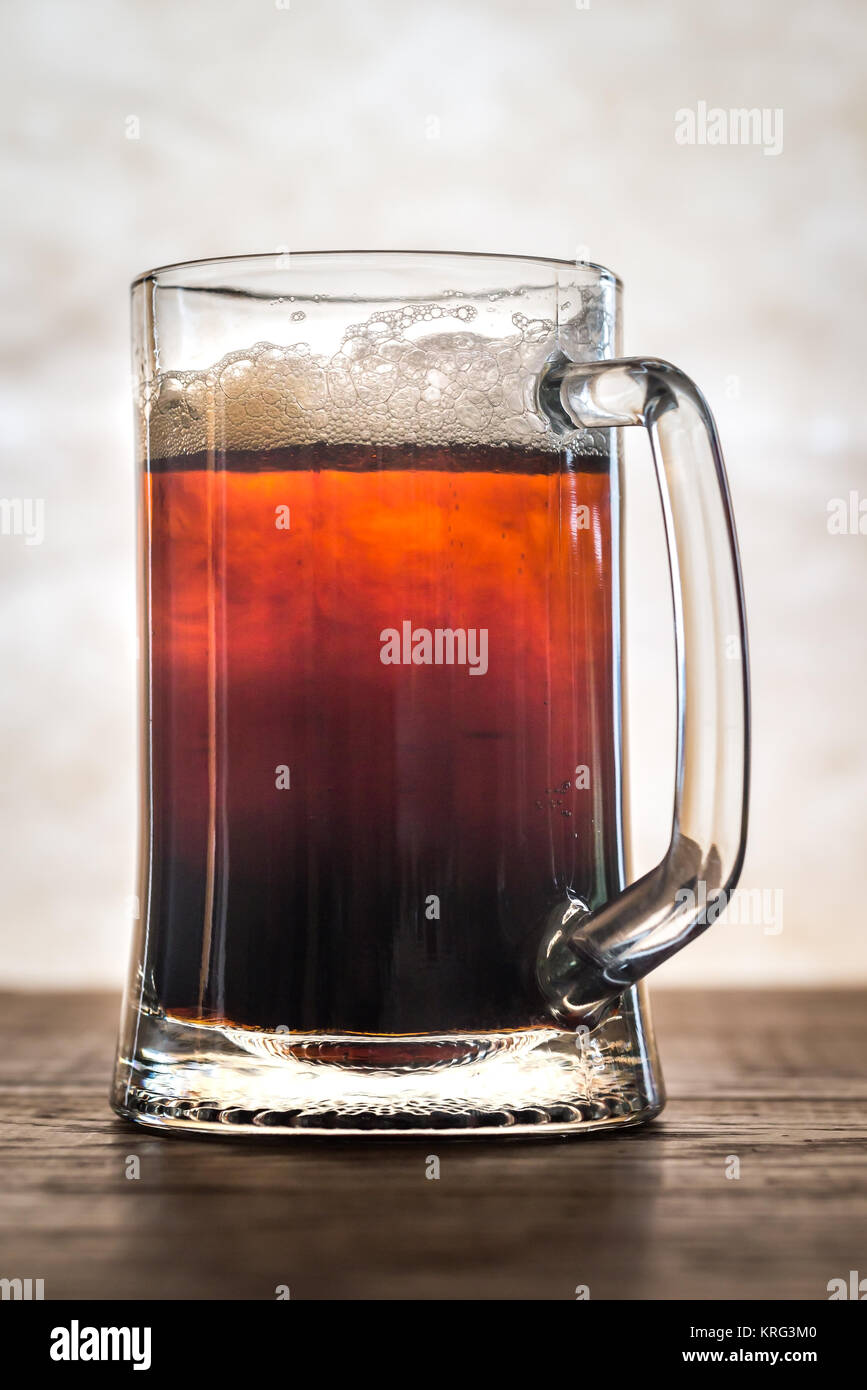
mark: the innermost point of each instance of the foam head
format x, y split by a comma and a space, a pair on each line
417, 374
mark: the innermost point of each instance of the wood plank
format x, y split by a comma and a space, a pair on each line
775, 1079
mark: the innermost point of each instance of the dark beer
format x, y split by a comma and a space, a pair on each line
362, 810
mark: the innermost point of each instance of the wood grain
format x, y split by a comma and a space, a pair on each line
776, 1079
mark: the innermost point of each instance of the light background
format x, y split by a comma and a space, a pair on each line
309, 126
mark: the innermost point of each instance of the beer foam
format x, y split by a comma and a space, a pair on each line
416, 374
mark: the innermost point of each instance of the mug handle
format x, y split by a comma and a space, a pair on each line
588, 958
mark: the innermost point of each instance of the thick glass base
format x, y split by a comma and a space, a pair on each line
221, 1080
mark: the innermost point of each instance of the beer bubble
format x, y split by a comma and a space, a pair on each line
411, 374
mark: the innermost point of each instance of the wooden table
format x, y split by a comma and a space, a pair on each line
774, 1079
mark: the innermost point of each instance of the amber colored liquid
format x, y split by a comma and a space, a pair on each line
400, 882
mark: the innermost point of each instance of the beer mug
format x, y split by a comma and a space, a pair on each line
384, 872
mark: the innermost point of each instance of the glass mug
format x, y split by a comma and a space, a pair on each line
383, 861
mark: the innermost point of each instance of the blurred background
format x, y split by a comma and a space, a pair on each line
136, 135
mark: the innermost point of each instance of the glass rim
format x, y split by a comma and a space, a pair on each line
279, 260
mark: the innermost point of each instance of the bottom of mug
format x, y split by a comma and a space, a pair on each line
213, 1079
